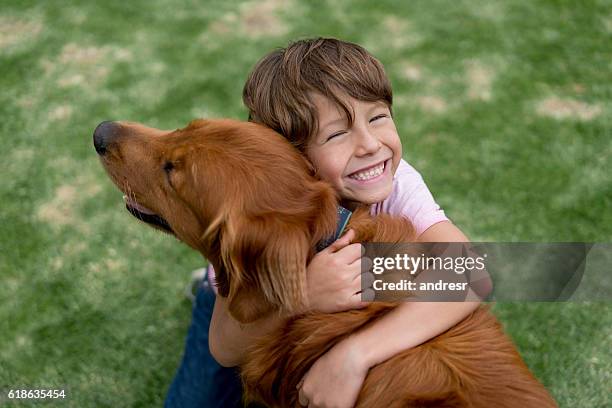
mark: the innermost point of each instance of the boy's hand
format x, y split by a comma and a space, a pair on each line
334, 380
334, 277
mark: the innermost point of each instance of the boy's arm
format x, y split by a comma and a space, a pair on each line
444, 231
407, 326
413, 323
344, 367
335, 379
228, 339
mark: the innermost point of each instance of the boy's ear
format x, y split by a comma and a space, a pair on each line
265, 260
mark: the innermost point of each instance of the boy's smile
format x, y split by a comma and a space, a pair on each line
358, 160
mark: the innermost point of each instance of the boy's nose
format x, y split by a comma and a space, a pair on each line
367, 142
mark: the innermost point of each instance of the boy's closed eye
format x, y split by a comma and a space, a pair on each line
341, 132
333, 135
380, 116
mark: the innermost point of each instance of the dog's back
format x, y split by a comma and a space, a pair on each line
473, 364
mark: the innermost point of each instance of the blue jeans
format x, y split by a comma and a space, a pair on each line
200, 381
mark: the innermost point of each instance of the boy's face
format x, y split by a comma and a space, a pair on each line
360, 160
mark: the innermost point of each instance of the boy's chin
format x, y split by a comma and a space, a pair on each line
368, 198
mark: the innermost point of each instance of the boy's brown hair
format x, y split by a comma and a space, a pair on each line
277, 89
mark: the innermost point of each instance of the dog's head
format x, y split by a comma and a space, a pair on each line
237, 192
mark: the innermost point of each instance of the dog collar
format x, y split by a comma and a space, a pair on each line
343, 218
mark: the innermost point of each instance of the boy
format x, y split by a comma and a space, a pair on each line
332, 100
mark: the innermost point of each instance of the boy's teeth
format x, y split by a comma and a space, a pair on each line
369, 174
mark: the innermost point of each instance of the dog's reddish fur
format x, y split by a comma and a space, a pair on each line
249, 202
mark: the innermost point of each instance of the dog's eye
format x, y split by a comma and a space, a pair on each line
168, 167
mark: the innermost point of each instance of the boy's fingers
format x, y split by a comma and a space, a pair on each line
362, 299
350, 235
367, 279
360, 265
350, 254
342, 241
366, 264
368, 295
363, 282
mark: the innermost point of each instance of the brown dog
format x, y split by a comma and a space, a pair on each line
248, 201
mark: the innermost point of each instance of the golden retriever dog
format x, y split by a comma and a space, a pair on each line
250, 203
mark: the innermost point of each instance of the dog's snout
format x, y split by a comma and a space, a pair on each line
103, 136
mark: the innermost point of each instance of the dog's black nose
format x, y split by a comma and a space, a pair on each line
104, 135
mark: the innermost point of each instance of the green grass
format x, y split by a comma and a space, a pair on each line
504, 107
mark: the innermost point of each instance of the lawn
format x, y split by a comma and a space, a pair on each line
503, 106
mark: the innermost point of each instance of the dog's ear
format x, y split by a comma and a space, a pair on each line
265, 259
246, 305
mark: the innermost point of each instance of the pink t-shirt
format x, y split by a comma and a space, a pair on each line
409, 197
